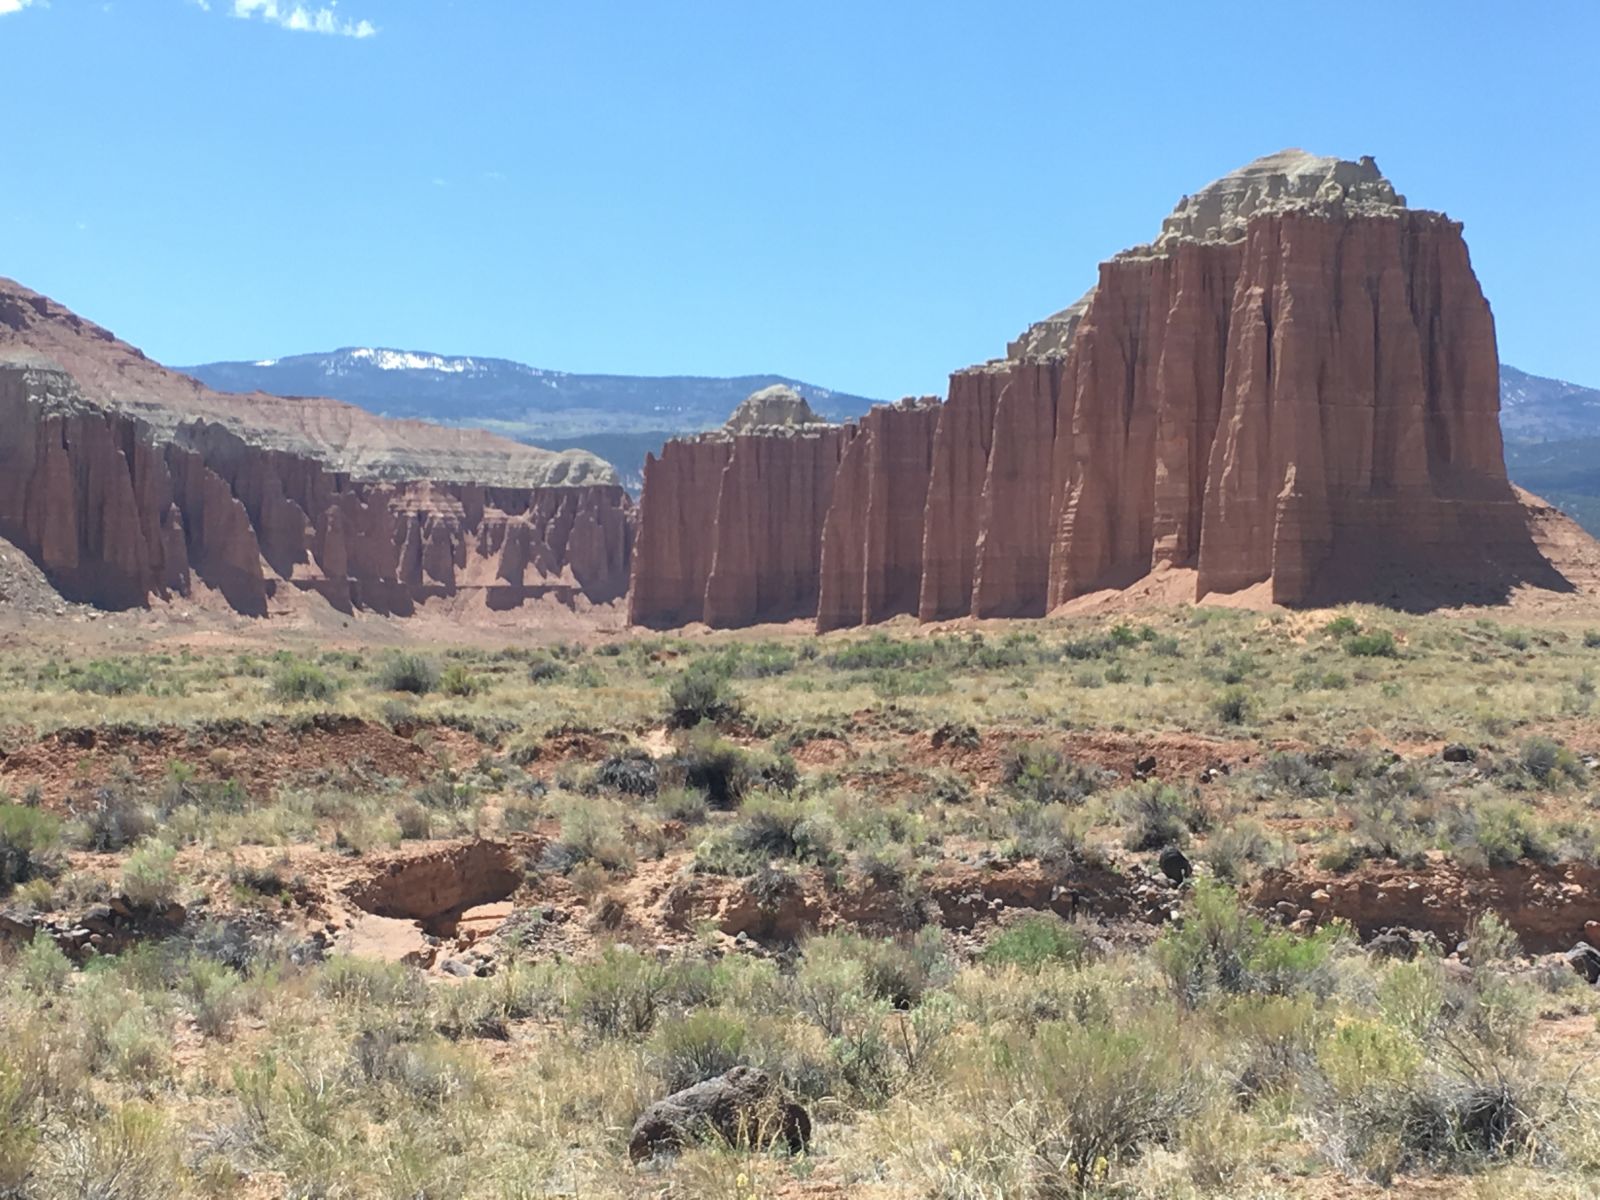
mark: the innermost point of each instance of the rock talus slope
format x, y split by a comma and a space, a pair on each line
126, 482
1294, 386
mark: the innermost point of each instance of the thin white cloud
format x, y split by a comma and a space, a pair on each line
13, 6
302, 18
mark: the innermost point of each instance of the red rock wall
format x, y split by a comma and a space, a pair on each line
960, 465
872, 539
771, 505
1013, 552
1340, 400
1315, 406
676, 532
115, 519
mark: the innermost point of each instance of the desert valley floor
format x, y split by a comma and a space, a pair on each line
298, 910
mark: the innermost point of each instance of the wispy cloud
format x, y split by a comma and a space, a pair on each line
303, 18
11, 6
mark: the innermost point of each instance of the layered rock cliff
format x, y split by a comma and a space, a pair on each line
1294, 386
126, 482
734, 531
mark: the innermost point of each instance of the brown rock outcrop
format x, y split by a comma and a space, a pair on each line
126, 482
1293, 387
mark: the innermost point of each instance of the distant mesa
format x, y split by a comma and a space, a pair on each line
1290, 393
127, 483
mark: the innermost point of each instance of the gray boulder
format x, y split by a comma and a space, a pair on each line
741, 1107
1585, 960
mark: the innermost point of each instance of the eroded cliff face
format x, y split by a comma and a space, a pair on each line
1294, 386
872, 536
733, 533
142, 484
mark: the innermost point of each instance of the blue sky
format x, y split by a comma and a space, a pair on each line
862, 194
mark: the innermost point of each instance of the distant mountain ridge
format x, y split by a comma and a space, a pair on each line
1534, 408
511, 398
1552, 434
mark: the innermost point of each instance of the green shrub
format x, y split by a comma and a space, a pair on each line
1591, 639
125, 1154
688, 1050
1087, 1100
1159, 814
407, 673
299, 681
41, 966
1237, 852
770, 828
1220, 946
701, 693
879, 652
1295, 773
1235, 706
590, 834
1392, 1106
1506, 833
109, 677
897, 971
545, 670
1342, 626
28, 836
114, 820
458, 681
149, 879
19, 1137
1035, 941
369, 983
683, 804
214, 993
762, 660
709, 764
1050, 833
1044, 775
619, 994
1379, 643
1548, 762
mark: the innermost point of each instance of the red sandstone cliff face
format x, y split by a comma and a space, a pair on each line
1294, 386
120, 504
1342, 402
767, 539
672, 558
961, 446
1013, 552
872, 539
